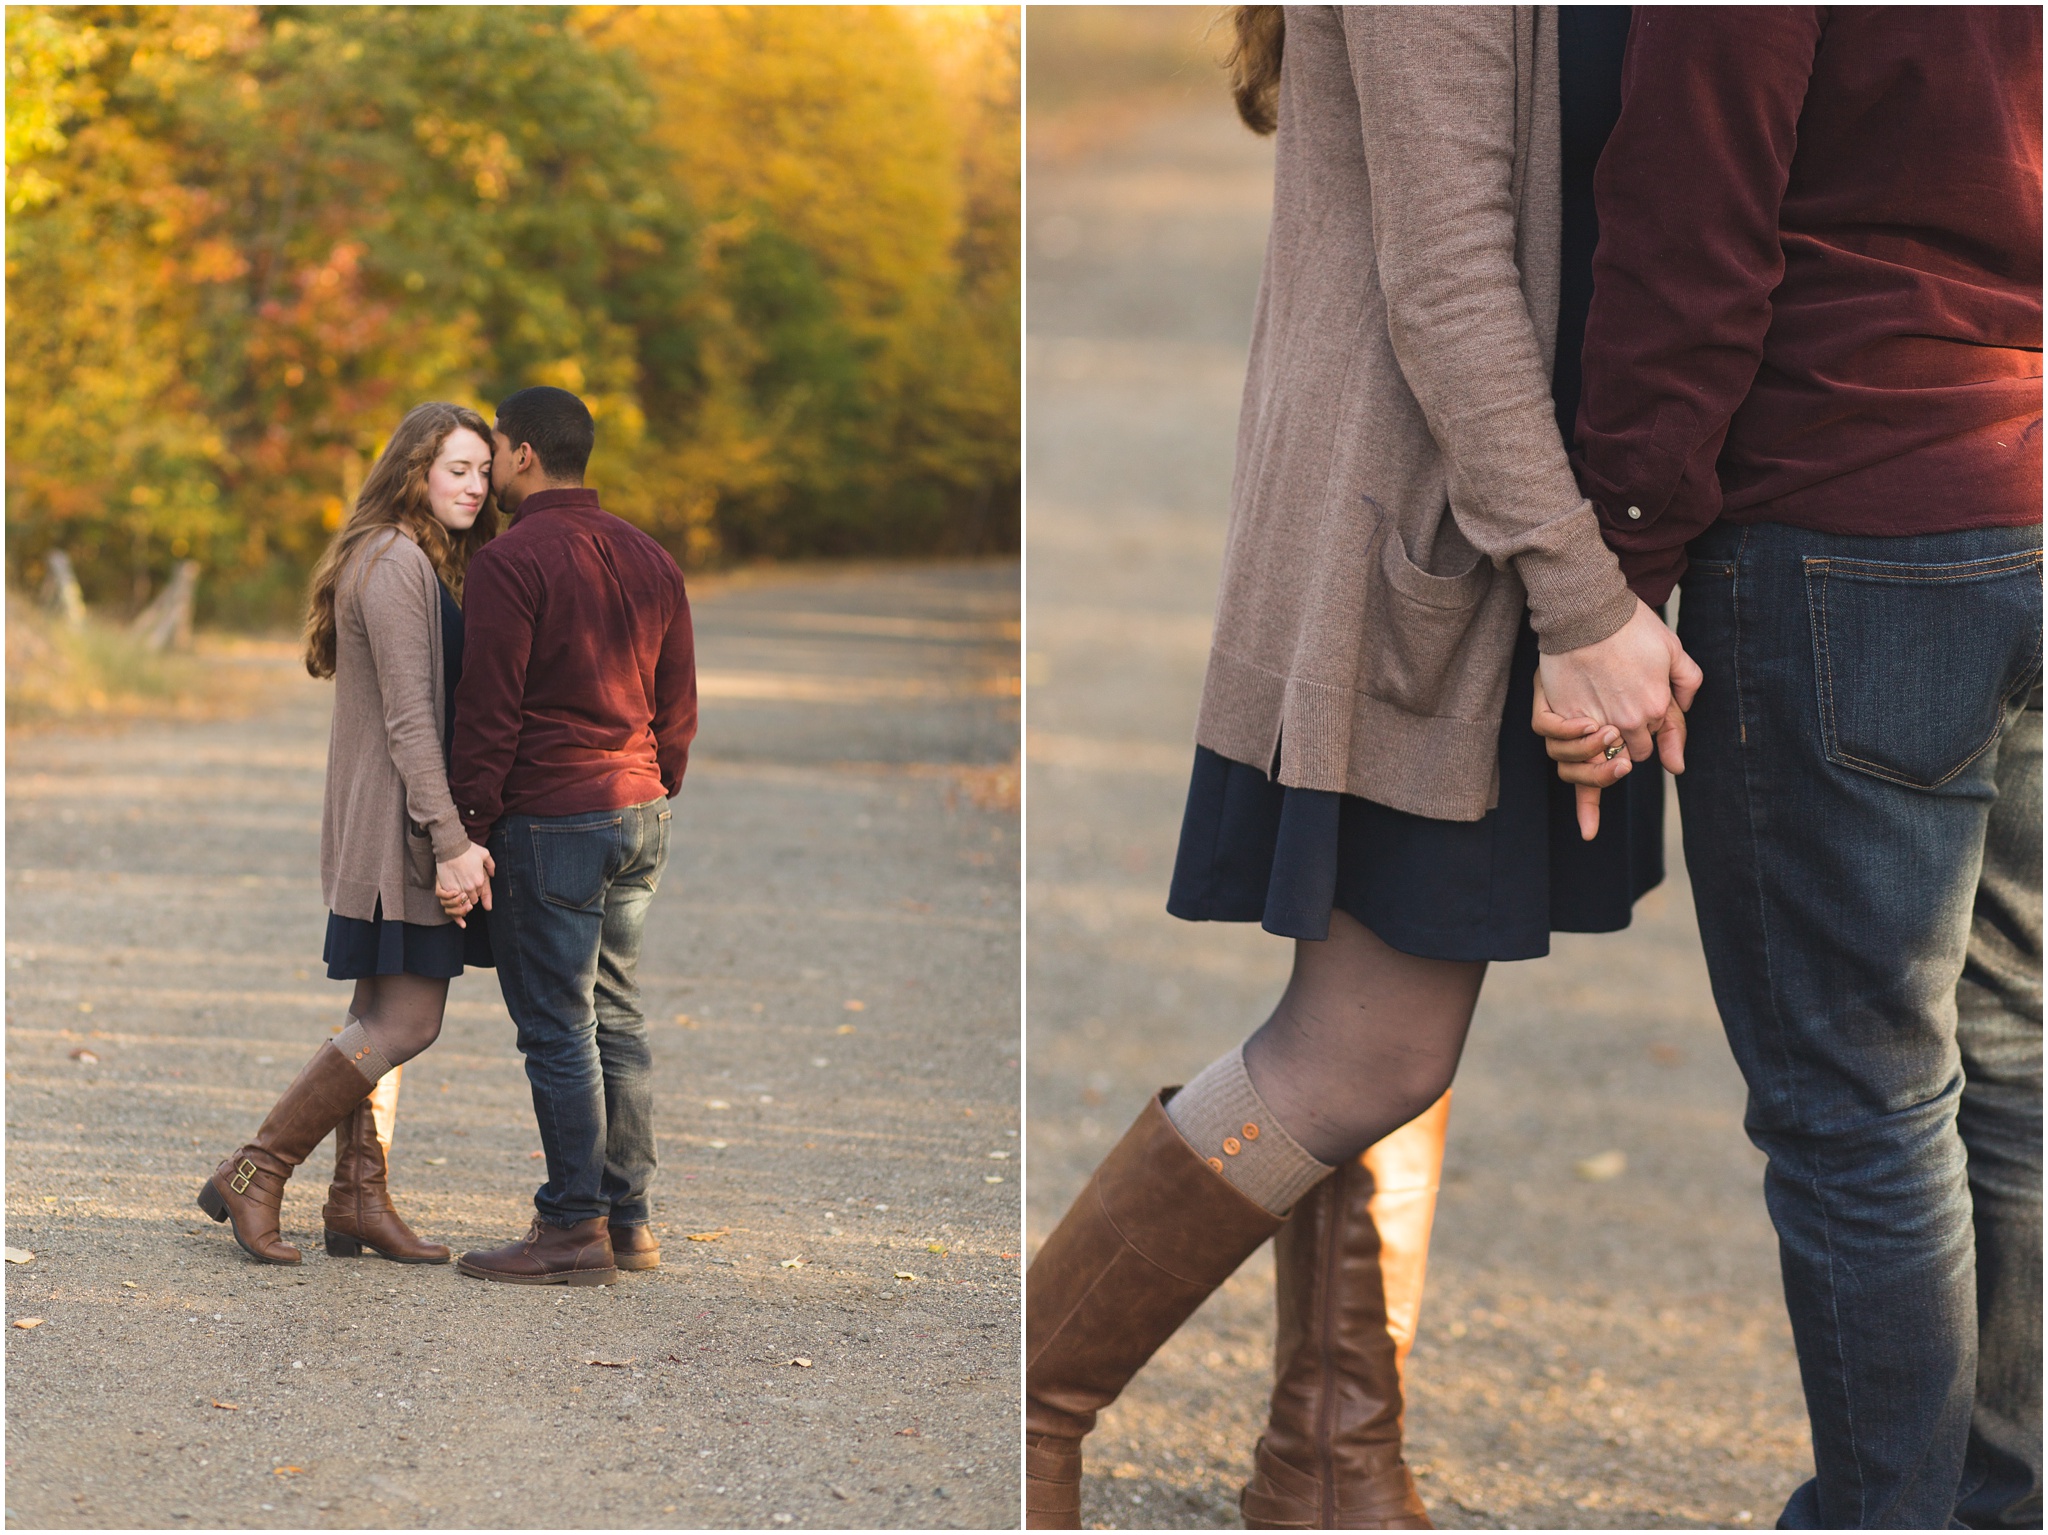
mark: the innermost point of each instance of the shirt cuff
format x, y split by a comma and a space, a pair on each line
1652, 573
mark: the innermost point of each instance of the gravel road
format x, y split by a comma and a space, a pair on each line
1594, 1354
831, 967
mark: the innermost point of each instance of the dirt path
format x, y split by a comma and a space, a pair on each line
831, 966
1605, 1354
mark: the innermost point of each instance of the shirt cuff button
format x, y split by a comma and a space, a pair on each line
1635, 514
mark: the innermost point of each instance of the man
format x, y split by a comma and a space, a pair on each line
1813, 390
574, 716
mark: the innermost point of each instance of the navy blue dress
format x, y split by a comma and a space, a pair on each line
356, 948
1252, 850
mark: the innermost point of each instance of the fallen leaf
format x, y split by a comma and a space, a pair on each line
908, 1433
801, 1363
673, 1360
791, 1263
999, 1156
716, 1145
846, 1028
839, 1492
937, 1247
287, 1470
129, 1284
84, 1007
228, 1406
853, 1006
437, 1161
29, 1321
612, 1364
535, 1156
710, 1236
85, 1055
686, 1020
991, 1177
905, 1274
1609, 1164
1006, 1255
20, 1255
716, 1103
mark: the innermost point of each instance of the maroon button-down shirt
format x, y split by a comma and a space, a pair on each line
1817, 294
579, 672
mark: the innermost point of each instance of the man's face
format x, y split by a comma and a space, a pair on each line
503, 461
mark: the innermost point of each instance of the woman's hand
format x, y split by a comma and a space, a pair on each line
464, 882
1630, 680
1590, 757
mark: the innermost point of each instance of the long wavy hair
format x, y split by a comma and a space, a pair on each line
1254, 63
394, 495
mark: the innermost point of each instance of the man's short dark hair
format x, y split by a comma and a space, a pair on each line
555, 424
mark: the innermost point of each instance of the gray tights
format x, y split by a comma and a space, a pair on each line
400, 1013
1363, 1040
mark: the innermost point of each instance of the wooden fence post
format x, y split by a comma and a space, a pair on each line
60, 590
166, 624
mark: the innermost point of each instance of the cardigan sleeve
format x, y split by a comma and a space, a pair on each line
1436, 101
396, 591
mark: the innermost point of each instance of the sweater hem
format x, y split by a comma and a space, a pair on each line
1344, 741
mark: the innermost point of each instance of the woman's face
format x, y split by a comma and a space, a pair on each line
459, 480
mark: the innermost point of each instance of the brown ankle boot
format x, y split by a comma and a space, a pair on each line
248, 1188
358, 1212
580, 1255
1348, 1270
1153, 1233
635, 1247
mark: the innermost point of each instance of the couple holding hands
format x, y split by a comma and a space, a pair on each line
512, 712
1561, 310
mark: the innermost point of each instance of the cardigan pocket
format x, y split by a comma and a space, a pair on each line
1414, 639
420, 870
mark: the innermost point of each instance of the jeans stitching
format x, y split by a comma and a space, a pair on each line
1823, 656
1961, 570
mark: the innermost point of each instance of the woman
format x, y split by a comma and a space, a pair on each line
385, 624
1407, 551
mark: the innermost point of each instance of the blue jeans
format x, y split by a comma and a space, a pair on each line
569, 900
1862, 811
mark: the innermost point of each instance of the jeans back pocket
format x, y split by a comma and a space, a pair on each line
1915, 664
572, 864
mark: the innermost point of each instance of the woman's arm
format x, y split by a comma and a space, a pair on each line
1436, 101
396, 594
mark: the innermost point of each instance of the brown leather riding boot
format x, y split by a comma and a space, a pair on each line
1348, 1270
635, 1247
1151, 1235
579, 1255
358, 1212
248, 1188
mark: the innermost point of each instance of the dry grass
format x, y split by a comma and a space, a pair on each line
60, 675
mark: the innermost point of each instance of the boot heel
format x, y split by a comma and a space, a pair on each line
592, 1276
339, 1246
211, 1202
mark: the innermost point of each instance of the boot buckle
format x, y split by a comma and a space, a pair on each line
243, 1173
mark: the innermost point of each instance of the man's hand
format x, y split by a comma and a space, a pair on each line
464, 882
1581, 750
1629, 680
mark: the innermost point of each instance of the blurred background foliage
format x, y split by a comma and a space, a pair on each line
775, 248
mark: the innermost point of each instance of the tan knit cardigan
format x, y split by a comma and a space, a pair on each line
388, 816
1401, 493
